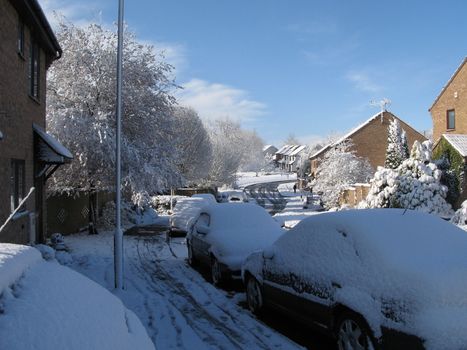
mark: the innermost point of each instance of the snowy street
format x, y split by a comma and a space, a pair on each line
178, 307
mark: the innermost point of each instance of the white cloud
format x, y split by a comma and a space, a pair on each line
213, 101
364, 82
80, 13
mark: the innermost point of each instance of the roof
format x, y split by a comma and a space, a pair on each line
449, 82
265, 148
458, 141
51, 150
291, 150
31, 12
298, 150
346, 136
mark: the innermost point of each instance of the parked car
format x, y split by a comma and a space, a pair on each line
186, 210
232, 197
378, 278
224, 235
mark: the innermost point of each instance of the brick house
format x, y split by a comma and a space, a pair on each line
28, 155
287, 157
370, 140
449, 116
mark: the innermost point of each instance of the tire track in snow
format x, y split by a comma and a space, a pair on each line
202, 317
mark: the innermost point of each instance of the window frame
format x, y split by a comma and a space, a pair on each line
448, 125
20, 39
34, 70
17, 182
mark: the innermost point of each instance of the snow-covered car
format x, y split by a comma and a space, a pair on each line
232, 197
377, 278
44, 305
186, 210
224, 235
208, 196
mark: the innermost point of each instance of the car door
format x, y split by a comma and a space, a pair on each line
198, 238
287, 288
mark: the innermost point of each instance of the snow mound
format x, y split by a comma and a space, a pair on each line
49, 306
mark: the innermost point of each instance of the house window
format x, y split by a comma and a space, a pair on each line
34, 74
20, 42
17, 184
451, 119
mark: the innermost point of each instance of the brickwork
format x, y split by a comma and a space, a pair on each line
18, 111
371, 140
454, 96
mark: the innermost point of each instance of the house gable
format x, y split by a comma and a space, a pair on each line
370, 140
453, 97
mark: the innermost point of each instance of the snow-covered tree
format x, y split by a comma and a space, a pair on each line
81, 112
415, 184
291, 140
251, 148
397, 150
460, 216
340, 168
193, 145
227, 157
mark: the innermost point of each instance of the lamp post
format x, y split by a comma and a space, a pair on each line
118, 236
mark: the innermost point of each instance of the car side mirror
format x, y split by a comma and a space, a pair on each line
202, 229
268, 254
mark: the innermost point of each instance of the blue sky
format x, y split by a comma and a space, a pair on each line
308, 68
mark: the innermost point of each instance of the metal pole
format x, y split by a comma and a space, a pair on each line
118, 237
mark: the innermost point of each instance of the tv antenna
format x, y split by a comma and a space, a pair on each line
383, 104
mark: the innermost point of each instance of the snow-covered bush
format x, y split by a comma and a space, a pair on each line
131, 215
340, 168
460, 216
397, 150
415, 184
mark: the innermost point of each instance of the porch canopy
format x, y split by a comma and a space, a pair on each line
49, 152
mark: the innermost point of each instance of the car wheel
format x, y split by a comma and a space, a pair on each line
254, 295
353, 333
216, 272
191, 258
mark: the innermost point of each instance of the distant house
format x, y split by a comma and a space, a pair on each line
370, 140
28, 155
449, 115
269, 150
288, 157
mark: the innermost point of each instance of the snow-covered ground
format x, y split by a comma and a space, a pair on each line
178, 307
250, 178
294, 211
44, 305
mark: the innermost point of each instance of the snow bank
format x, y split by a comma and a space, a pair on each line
14, 260
47, 306
250, 178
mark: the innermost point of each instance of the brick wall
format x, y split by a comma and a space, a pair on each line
17, 113
453, 97
371, 141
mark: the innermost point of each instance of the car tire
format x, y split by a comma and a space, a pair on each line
216, 272
191, 257
254, 295
353, 333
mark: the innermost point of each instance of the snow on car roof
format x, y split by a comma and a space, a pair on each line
240, 215
415, 241
238, 229
54, 307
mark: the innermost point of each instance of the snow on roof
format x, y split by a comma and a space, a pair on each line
52, 142
458, 141
346, 136
298, 150
449, 82
268, 146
